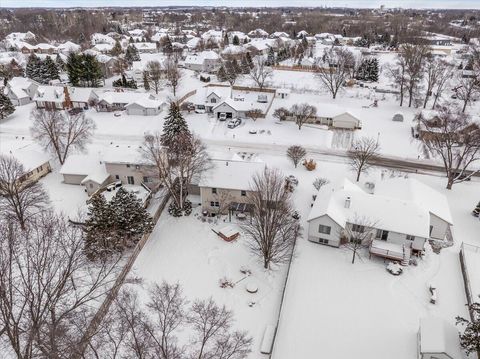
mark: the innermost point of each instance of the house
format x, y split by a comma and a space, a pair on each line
21, 90
258, 33
80, 97
68, 47
233, 52
146, 47
144, 107
226, 185
279, 34
107, 64
209, 96
334, 116
103, 48
98, 38
205, 61
438, 339
52, 98
402, 214
125, 163
35, 163
109, 101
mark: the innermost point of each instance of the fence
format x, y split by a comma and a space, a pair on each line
187, 95
112, 294
466, 279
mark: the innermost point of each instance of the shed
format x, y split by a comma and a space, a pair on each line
438, 339
398, 117
228, 233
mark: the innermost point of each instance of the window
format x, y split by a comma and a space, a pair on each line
214, 204
323, 241
130, 180
146, 179
431, 229
128, 165
410, 237
358, 228
324, 229
214, 190
117, 177
213, 100
243, 193
381, 234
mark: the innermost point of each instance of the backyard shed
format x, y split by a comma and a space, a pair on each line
438, 339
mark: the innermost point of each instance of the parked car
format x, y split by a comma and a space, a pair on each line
234, 123
252, 132
117, 114
222, 116
200, 110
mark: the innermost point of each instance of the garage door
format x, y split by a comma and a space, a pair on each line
229, 114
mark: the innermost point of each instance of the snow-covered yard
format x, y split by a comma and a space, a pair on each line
187, 251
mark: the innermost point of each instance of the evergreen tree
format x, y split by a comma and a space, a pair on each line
174, 127
236, 40
222, 74
123, 82
131, 54
34, 68
271, 57
6, 106
236, 67
74, 68
167, 46
245, 66
49, 70
60, 63
99, 227
117, 49
131, 220
470, 339
90, 71
249, 59
373, 70
146, 82
226, 41
130, 40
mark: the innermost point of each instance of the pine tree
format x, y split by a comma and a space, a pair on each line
249, 59
49, 70
90, 71
99, 231
245, 66
373, 70
271, 57
222, 74
174, 127
74, 68
6, 106
226, 41
34, 68
167, 46
117, 49
131, 220
60, 63
131, 54
146, 82
236, 40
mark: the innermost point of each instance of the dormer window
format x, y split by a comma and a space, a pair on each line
213, 100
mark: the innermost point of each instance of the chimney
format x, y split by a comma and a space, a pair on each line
226, 163
347, 202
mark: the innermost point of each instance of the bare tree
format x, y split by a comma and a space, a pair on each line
334, 68
435, 69
415, 57
187, 162
443, 80
466, 88
167, 305
320, 182
358, 233
453, 137
51, 287
61, 131
154, 72
224, 198
213, 337
302, 113
296, 154
272, 230
20, 198
172, 74
281, 113
362, 152
397, 73
254, 114
260, 71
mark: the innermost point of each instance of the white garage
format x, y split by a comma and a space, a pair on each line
144, 107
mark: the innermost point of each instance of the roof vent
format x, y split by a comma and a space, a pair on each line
347, 202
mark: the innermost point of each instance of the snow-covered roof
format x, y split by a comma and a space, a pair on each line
233, 50
68, 47
103, 47
146, 102
99, 176
239, 104
125, 97
258, 32
80, 94
98, 38
235, 175
389, 211
81, 164
50, 94
437, 336
193, 42
30, 158
151, 46
129, 154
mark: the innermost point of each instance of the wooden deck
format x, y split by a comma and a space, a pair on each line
391, 251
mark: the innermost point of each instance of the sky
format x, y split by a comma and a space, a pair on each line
447, 4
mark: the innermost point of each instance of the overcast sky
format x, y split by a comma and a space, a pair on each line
450, 4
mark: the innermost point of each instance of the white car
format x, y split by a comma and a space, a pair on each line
117, 114
234, 123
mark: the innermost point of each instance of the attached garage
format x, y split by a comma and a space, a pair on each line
225, 108
144, 107
346, 121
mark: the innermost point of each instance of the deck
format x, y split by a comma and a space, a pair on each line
392, 251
